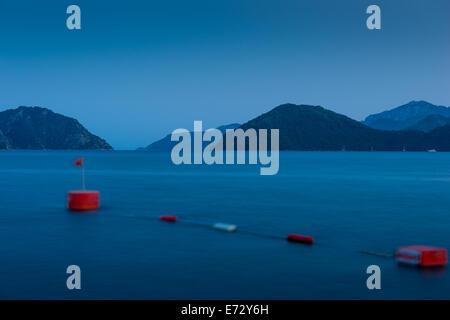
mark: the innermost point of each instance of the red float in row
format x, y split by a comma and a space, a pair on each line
300, 238
168, 218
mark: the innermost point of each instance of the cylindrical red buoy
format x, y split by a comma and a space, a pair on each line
168, 218
423, 256
83, 200
300, 238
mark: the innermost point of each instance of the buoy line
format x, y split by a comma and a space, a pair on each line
219, 226
189, 221
423, 256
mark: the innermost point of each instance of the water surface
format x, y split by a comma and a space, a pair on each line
348, 201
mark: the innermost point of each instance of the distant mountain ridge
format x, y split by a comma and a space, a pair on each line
314, 128
302, 127
41, 128
407, 116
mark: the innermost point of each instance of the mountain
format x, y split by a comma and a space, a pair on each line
165, 144
41, 128
431, 122
304, 127
405, 116
314, 128
309, 128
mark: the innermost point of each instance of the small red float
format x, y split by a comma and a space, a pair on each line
300, 238
83, 200
423, 256
168, 218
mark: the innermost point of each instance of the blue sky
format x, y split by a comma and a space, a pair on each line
139, 69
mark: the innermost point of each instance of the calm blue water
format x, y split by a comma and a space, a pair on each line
347, 201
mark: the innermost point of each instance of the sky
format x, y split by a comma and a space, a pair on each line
139, 69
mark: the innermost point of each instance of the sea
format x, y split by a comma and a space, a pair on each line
348, 201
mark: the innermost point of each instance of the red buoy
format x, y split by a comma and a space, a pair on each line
168, 218
300, 238
423, 256
83, 200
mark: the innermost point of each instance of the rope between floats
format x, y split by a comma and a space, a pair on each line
379, 254
252, 233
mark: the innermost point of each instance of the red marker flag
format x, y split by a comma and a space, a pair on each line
78, 162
